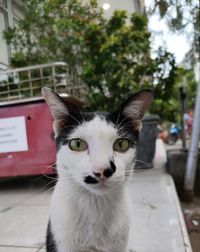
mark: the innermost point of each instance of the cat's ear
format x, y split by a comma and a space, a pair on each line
57, 107
135, 106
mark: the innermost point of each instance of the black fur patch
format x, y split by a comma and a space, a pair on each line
91, 180
108, 173
123, 125
112, 166
50, 242
71, 122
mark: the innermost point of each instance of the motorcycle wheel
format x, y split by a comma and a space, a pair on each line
172, 139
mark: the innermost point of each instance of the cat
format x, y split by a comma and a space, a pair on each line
90, 209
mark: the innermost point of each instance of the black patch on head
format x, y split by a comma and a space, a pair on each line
50, 242
125, 127
70, 123
123, 124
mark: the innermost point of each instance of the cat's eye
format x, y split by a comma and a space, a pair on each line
121, 145
77, 144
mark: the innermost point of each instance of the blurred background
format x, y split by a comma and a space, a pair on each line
96, 53
115, 47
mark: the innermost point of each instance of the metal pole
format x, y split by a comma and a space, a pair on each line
194, 148
182, 97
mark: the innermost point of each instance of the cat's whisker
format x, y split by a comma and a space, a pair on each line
47, 167
49, 177
50, 189
141, 161
73, 164
65, 127
118, 183
123, 126
135, 170
125, 118
68, 114
81, 115
119, 113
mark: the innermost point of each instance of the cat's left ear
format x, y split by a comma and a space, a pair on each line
57, 107
135, 106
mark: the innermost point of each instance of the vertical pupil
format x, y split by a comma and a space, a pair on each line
78, 143
120, 143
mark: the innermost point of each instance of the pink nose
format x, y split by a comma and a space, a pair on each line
104, 174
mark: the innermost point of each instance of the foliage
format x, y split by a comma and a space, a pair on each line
112, 56
186, 79
180, 14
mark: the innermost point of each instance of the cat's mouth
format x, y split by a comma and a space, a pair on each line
95, 184
91, 180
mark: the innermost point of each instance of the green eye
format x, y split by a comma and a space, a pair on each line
121, 145
77, 144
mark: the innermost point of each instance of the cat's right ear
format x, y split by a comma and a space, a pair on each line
135, 106
57, 107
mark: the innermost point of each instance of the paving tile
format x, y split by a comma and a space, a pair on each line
5, 208
157, 189
158, 225
17, 249
42, 249
41, 198
14, 197
16, 191
24, 226
2, 207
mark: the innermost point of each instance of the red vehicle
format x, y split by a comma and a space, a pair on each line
27, 145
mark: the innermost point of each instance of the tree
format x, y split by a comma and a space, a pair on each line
180, 14
183, 17
112, 56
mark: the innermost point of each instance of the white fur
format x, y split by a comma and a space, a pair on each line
86, 217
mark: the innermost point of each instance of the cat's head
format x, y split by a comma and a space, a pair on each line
96, 150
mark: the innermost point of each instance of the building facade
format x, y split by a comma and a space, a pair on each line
129, 5
10, 14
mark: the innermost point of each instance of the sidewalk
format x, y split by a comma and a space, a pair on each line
158, 224
23, 215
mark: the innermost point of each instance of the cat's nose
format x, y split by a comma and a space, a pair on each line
104, 174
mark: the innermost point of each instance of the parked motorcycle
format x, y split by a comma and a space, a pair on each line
173, 134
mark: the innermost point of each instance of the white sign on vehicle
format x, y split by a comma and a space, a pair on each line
13, 137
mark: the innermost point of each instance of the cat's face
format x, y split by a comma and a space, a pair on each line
96, 150
95, 153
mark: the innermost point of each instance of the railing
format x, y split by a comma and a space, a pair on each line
26, 83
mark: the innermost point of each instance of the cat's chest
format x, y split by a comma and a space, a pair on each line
91, 223
85, 214
91, 232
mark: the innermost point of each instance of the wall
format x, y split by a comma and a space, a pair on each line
129, 5
10, 13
